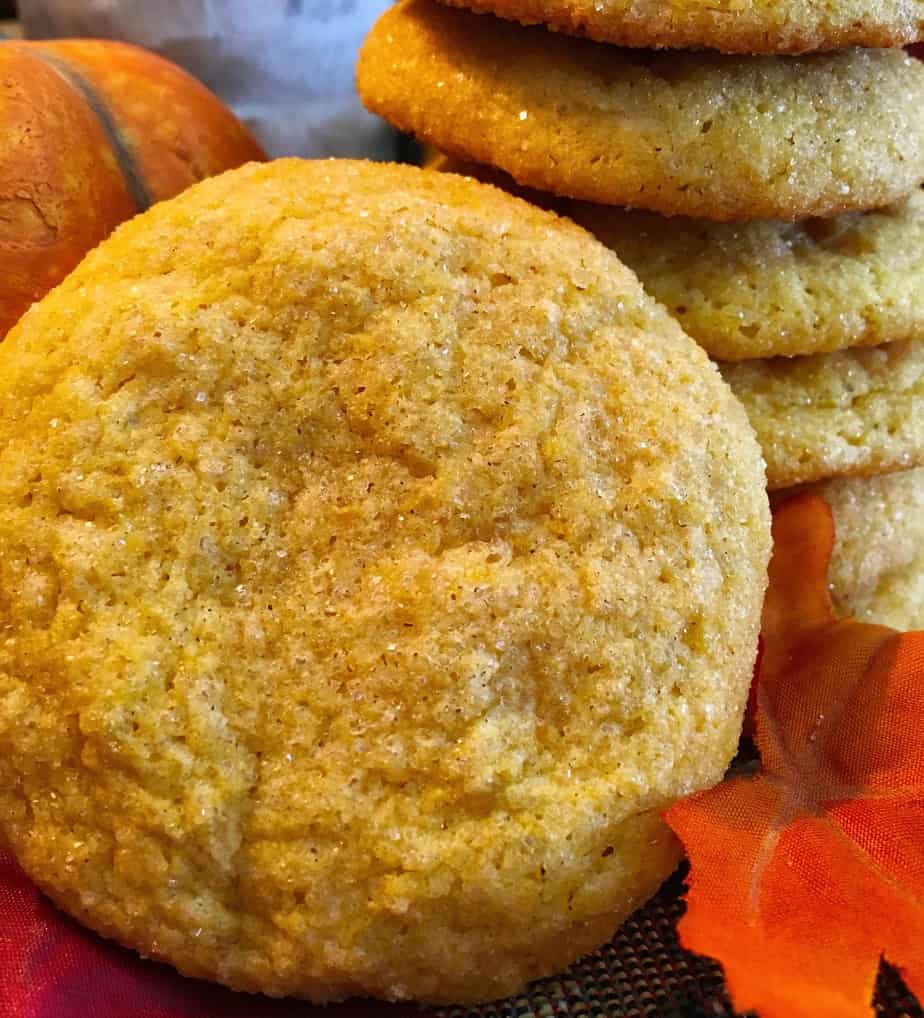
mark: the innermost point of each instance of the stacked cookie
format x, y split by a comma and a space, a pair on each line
771, 201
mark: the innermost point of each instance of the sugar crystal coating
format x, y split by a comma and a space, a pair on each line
695, 134
376, 561
853, 412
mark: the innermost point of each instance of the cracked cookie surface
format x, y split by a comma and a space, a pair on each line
764, 288
772, 289
376, 561
854, 412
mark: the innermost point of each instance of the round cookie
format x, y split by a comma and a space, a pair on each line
896, 601
764, 288
696, 134
853, 412
780, 26
377, 560
771, 289
879, 527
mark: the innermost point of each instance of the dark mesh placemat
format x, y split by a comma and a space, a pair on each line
644, 972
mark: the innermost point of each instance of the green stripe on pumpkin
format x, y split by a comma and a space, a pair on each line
117, 141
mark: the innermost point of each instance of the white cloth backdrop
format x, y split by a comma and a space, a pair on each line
284, 66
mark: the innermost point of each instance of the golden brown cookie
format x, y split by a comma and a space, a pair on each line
696, 134
854, 412
377, 560
731, 26
771, 289
879, 525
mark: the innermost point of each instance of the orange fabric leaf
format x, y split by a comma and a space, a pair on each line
803, 876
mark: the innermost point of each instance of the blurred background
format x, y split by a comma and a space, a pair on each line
284, 66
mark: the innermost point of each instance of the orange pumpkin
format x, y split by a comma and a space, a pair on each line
92, 132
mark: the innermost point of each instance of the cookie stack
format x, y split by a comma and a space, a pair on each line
764, 186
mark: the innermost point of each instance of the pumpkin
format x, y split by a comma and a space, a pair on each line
91, 133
